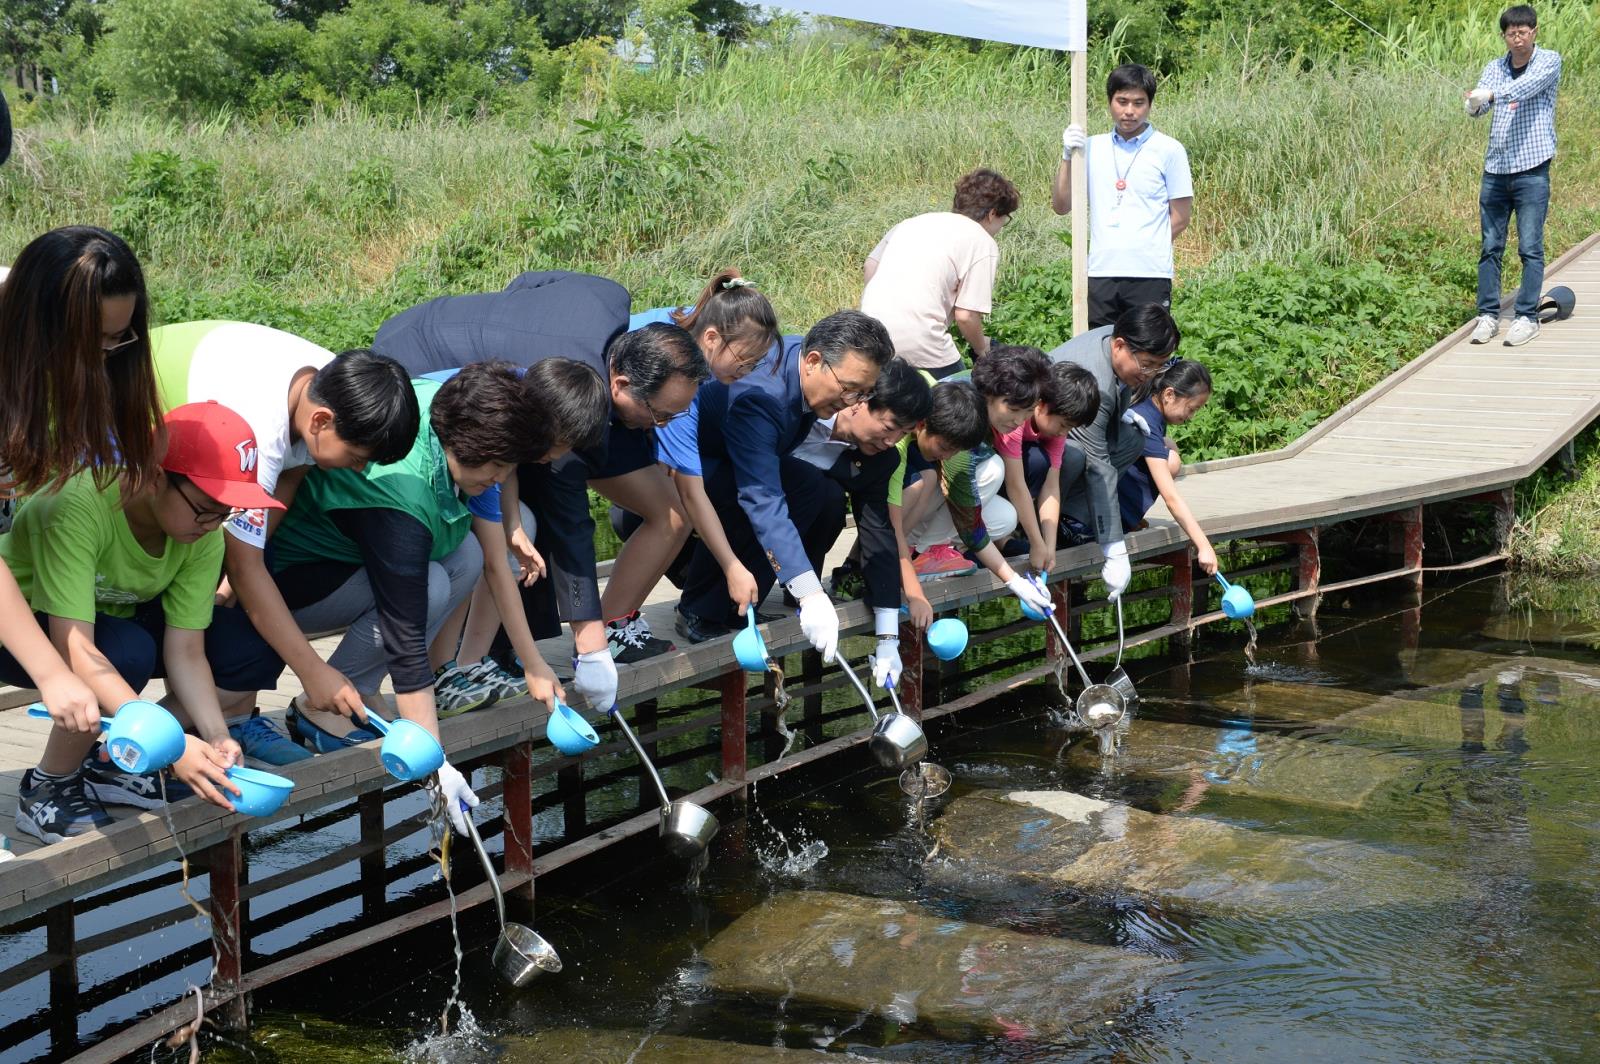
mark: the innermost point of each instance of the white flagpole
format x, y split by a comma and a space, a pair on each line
1080, 200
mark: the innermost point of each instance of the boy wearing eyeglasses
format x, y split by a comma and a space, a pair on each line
1518, 91
124, 586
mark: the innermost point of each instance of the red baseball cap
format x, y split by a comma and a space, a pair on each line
215, 448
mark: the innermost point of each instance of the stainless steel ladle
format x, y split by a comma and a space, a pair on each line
521, 954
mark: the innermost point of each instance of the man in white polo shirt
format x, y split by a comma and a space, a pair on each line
1140, 199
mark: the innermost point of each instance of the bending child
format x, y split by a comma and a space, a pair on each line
1176, 395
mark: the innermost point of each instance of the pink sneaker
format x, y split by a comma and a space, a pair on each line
935, 563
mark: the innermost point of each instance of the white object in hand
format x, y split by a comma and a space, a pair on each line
886, 664
1073, 138
820, 623
594, 674
1029, 593
453, 786
1136, 419
1117, 571
1478, 101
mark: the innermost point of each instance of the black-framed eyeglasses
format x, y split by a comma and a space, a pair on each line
661, 420
207, 518
1518, 32
121, 340
848, 395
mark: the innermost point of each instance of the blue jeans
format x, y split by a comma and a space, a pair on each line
1528, 194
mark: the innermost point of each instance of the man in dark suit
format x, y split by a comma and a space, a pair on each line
746, 429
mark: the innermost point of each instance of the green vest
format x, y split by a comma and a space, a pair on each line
419, 484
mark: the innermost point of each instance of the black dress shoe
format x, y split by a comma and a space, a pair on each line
698, 629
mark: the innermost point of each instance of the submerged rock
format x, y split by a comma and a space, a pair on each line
913, 966
585, 1045
1064, 840
1241, 761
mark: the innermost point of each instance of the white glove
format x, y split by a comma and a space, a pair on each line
595, 676
1478, 101
820, 624
1029, 593
453, 786
1073, 138
1117, 570
886, 663
1136, 419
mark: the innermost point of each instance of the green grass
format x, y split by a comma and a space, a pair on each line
1335, 220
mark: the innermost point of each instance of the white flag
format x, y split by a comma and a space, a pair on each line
1060, 24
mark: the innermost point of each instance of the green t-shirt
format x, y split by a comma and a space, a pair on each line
74, 555
419, 485
957, 479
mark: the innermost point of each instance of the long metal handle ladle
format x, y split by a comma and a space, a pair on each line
866, 698
1073, 654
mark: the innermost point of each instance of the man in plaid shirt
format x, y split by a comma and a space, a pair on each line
1519, 91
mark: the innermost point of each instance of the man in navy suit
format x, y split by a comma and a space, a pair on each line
746, 429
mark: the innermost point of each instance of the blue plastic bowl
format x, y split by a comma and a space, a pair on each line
141, 738
260, 793
947, 638
1237, 603
569, 732
749, 648
409, 753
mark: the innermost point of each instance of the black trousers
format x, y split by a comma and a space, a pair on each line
816, 500
1109, 297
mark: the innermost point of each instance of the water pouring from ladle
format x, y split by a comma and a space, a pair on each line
686, 828
521, 954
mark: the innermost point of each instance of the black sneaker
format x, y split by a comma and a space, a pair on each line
52, 810
698, 629
631, 640
111, 786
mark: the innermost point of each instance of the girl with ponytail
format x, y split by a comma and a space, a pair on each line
1175, 395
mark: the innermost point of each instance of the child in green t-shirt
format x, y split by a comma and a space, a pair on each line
124, 586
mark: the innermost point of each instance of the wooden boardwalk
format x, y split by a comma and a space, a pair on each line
1458, 421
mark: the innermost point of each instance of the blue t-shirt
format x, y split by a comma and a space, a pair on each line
1136, 492
486, 505
678, 441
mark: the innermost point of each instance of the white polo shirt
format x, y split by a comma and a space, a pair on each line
1130, 231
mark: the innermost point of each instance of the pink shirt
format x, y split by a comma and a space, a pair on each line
1010, 445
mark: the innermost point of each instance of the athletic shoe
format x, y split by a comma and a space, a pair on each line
1488, 325
264, 741
1522, 330
60, 808
631, 640
455, 691
112, 786
307, 734
502, 681
699, 629
940, 561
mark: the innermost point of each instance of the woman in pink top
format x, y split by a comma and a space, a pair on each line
1072, 399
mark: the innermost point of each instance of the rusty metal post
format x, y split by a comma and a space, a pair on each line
370, 809
226, 862
1061, 598
734, 723
1308, 566
574, 810
1503, 504
911, 652
1182, 564
1405, 539
517, 798
644, 723
61, 943
810, 676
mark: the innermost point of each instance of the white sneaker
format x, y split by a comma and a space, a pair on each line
1488, 325
1522, 330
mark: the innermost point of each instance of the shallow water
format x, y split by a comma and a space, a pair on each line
1452, 749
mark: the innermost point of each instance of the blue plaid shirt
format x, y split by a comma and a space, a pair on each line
1522, 126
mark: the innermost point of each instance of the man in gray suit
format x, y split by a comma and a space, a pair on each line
1123, 357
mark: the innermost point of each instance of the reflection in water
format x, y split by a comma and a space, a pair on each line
1419, 744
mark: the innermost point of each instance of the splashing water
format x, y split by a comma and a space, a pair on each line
782, 858
696, 871
467, 1044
